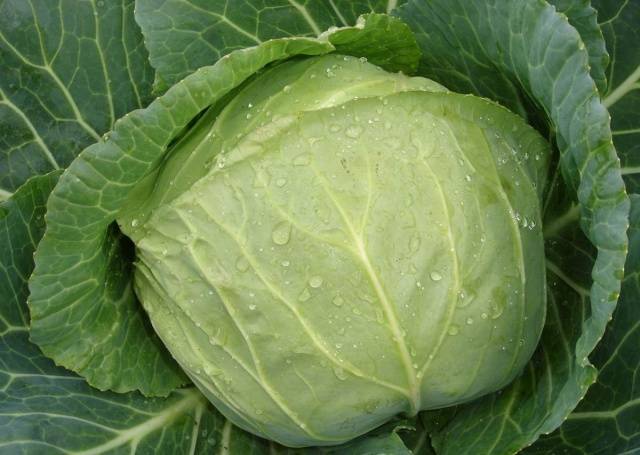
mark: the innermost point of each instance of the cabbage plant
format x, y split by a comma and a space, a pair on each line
318, 227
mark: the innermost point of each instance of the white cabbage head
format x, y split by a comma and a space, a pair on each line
333, 245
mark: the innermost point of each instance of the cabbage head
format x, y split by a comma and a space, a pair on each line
332, 244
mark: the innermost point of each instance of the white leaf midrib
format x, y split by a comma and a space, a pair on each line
387, 307
136, 433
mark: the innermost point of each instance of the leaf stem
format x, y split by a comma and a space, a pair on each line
629, 84
556, 226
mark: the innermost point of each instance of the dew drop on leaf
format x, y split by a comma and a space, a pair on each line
353, 132
304, 295
281, 233
242, 264
315, 281
496, 307
302, 160
340, 373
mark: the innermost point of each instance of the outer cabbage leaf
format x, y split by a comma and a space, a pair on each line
605, 421
68, 70
532, 60
619, 21
584, 18
183, 36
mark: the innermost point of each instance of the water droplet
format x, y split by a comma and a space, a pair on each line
467, 178
281, 182
362, 59
252, 307
414, 244
496, 308
242, 264
454, 329
469, 321
135, 222
353, 131
465, 298
335, 128
315, 281
338, 301
262, 178
281, 233
220, 161
340, 373
435, 276
286, 88
304, 295
285, 263
302, 160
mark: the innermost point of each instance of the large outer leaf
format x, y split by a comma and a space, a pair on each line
21, 226
527, 56
619, 21
606, 420
84, 312
182, 35
584, 18
68, 70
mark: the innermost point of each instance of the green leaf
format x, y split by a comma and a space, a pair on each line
21, 227
585, 19
619, 20
68, 70
388, 444
527, 56
182, 35
416, 436
385, 40
604, 421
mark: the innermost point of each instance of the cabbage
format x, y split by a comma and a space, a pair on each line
225, 230
353, 233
